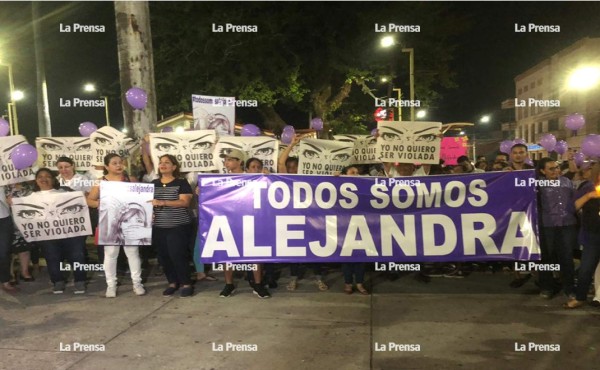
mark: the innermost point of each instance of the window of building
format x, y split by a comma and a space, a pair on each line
519, 92
539, 82
525, 113
526, 88
532, 85
519, 114
553, 124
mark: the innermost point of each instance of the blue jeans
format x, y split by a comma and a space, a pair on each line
357, 269
173, 249
589, 260
6, 235
55, 251
557, 244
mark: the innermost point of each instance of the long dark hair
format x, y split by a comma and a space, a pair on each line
107, 159
54, 181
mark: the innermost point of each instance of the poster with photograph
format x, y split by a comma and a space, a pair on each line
409, 142
324, 157
193, 149
214, 113
8, 173
79, 149
49, 216
261, 147
365, 147
452, 148
125, 213
107, 140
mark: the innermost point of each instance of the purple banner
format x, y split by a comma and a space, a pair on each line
295, 218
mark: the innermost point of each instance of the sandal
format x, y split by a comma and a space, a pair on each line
321, 285
348, 289
292, 285
573, 303
362, 289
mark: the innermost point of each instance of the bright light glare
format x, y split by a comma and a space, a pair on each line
387, 41
124, 130
584, 78
89, 87
179, 129
485, 119
384, 79
421, 114
17, 95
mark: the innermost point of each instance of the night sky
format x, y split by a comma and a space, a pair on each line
489, 56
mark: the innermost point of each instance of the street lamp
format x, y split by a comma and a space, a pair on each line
91, 88
388, 41
422, 113
12, 107
584, 78
485, 119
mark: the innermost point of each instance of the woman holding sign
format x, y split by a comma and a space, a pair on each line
114, 170
173, 225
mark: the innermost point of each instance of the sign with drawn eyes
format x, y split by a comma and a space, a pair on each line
49, 216
324, 157
79, 149
295, 152
108, 140
214, 113
409, 142
365, 147
261, 147
8, 173
193, 149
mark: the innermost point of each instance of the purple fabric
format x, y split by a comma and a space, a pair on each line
558, 204
271, 218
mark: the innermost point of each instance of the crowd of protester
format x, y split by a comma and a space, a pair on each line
569, 228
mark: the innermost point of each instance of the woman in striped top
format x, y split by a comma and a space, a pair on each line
172, 225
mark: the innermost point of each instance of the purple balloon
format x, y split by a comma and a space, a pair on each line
579, 158
287, 137
548, 142
23, 156
4, 127
505, 146
250, 130
561, 147
167, 129
575, 121
87, 128
317, 123
590, 145
519, 141
374, 132
137, 98
289, 128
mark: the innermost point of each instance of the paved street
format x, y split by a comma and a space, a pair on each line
470, 323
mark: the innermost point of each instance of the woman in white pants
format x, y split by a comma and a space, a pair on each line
114, 171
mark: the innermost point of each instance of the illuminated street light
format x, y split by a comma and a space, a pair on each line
12, 107
89, 88
584, 78
485, 119
387, 41
422, 113
17, 95
124, 130
384, 79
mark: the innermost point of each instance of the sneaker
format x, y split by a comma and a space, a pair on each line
111, 292
186, 292
59, 287
139, 289
170, 291
261, 291
321, 285
456, 274
227, 291
546, 294
292, 285
272, 284
79, 287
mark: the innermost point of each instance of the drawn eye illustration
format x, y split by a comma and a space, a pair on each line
427, 138
372, 142
204, 145
388, 136
49, 146
340, 157
310, 154
264, 151
71, 210
165, 147
29, 214
84, 147
102, 141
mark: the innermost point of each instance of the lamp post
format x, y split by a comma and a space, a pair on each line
12, 107
91, 88
389, 41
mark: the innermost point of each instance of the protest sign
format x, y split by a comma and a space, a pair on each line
324, 157
365, 148
214, 113
261, 147
79, 149
125, 213
8, 173
108, 140
409, 142
286, 218
49, 215
451, 148
193, 149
